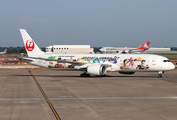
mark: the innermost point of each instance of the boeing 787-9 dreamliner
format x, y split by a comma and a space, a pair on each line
94, 64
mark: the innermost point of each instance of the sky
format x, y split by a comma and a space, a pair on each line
99, 23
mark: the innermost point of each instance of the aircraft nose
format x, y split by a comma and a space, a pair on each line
172, 66
168, 66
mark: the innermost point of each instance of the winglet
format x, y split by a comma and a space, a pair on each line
31, 47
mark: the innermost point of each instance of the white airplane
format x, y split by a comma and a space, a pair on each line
94, 64
125, 50
4, 52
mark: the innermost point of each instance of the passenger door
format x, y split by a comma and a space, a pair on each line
154, 61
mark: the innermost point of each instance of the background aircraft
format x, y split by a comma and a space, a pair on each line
125, 50
4, 51
94, 64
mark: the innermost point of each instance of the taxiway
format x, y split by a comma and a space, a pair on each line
141, 96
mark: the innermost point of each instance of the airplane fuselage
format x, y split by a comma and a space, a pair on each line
118, 62
95, 64
121, 50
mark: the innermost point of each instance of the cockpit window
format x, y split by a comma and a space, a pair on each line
166, 60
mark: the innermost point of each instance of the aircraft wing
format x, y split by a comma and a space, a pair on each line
66, 69
75, 63
59, 61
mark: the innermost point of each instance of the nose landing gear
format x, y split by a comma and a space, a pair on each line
160, 74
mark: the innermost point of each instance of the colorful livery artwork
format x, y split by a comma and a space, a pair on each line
136, 63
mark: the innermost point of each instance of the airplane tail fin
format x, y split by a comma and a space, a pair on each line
146, 45
31, 47
5, 51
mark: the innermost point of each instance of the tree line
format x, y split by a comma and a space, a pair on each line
16, 50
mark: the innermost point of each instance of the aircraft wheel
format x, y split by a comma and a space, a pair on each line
84, 75
160, 75
87, 75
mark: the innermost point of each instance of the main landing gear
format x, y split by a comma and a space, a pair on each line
160, 74
84, 75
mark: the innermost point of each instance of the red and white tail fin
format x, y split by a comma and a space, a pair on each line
146, 45
5, 51
31, 47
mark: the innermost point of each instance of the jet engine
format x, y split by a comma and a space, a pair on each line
99, 69
127, 72
125, 51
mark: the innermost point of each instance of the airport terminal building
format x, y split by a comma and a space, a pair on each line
69, 49
160, 50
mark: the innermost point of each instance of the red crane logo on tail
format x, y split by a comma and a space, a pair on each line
30, 45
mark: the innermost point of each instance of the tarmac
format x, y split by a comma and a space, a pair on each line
42, 94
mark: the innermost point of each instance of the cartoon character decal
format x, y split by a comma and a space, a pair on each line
112, 60
63, 65
137, 63
124, 66
131, 63
84, 59
58, 65
52, 57
142, 66
50, 62
98, 60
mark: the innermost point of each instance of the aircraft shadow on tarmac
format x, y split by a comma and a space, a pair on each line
107, 76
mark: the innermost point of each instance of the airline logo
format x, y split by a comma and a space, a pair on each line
30, 45
145, 46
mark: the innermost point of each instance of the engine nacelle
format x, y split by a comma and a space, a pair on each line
97, 69
125, 51
127, 72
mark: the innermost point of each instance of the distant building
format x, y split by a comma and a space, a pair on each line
158, 50
69, 49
